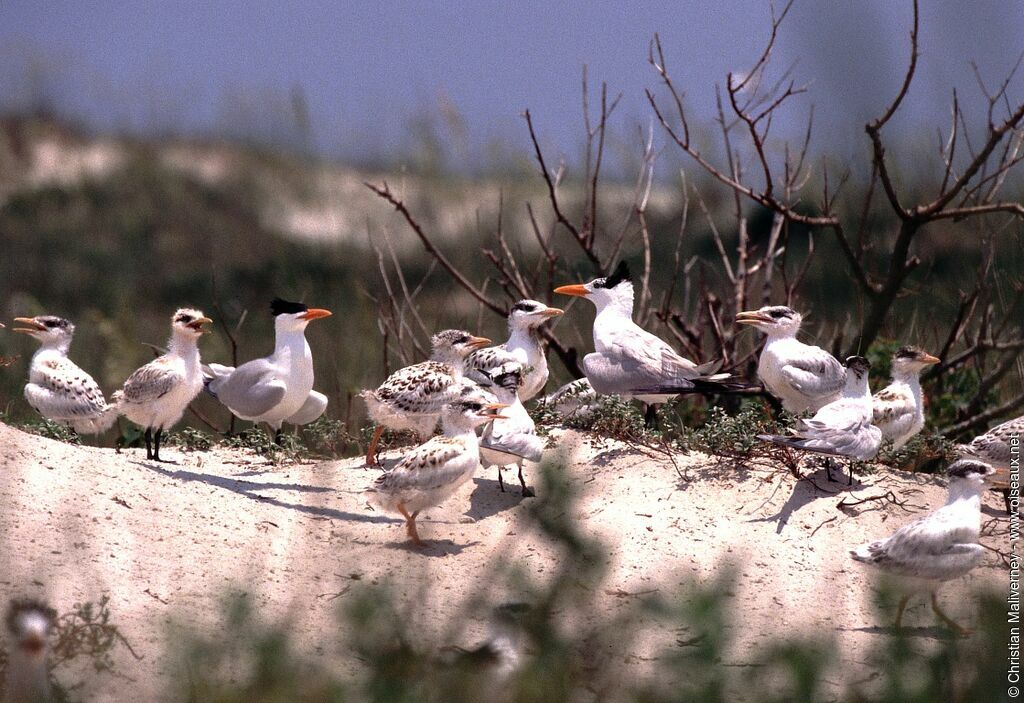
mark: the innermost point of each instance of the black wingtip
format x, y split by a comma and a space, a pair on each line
701, 386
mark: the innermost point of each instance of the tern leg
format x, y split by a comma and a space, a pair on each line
829, 465
149, 443
156, 443
501, 481
849, 478
410, 525
277, 437
900, 609
651, 417
371, 452
962, 631
527, 492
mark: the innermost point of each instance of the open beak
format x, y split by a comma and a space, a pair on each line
478, 342
197, 325
751, 317
552, 312
577, 289
491, 412
32, 325
929, 359
316, 314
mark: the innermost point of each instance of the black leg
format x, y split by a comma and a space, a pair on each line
849, 479
501, 481
156, 444
277, 436
651, 417
829, 464
149, 443
527, 493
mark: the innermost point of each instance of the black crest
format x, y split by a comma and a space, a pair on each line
279, 306
908, 352
968, 467
620, 274
526, 306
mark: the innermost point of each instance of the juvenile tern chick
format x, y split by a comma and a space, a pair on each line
27, 678
435, 470
899, 407
843, 427
514, 439
628, 360
940, 547
57, 388
574, 399
412, 397
993, 448
277, 388
156, 395
523, 347
804, 377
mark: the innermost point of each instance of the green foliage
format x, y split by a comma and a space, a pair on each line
612, 417
927, 452
190, 440
259, 441
734, 436
327, 437
44, 428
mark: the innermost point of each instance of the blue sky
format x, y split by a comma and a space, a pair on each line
368, 69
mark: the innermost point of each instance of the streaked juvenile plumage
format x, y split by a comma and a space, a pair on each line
514, 439
156, 395
898, 409
412, 397
57, 388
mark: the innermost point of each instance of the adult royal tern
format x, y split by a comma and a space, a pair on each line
804, 377
57, 388
27, 675
843, 427
523, 347
514, 439
433, 471
412, 397
940, 547
277, 388
899, 407
628, 360
156, 395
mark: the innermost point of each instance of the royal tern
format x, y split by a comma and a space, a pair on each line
412, 397
27, 676
523, 347
899, 407
156, 395
57, 388
939, 547
843, 427
277, 388
628, 360
514, 439
433, 471
804, 377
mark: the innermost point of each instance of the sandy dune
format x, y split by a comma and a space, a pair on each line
167, 541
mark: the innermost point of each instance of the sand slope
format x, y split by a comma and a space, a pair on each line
168, 540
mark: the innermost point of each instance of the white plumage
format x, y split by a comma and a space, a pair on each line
843, 427
27, 676
156, 395
514, 439
433, 471
940, 547
57, 388
522, 347
993, 448
899, 407
804, 377
277, 388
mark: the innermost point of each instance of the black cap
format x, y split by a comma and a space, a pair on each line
279, 306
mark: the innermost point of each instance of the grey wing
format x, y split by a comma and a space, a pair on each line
923, 549
816, 374
527, 446
480, 362
150, 382
612, 374
251, 390
312, 409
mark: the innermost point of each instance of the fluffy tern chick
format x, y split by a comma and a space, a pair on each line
27, 679
514, 439
899, 407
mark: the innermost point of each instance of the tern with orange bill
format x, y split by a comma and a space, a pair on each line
899, 407
631, 362
523, 347
278, 388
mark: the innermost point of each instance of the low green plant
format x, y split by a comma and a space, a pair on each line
44, 428
190, 440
